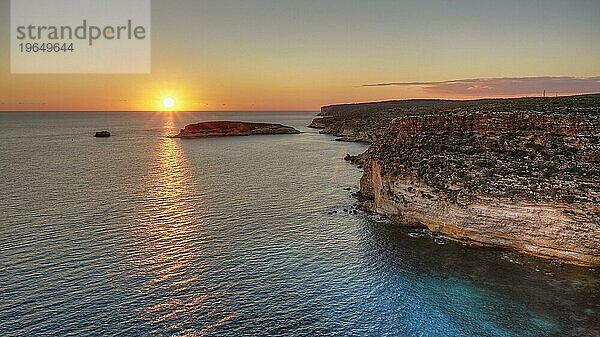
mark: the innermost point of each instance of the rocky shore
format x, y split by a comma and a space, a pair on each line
232, 128
522, 174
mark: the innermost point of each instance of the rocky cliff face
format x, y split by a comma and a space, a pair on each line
229, 128
366, 122
520, 174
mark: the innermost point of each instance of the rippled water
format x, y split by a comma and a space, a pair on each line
139, 235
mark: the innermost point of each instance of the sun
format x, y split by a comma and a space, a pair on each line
168, 102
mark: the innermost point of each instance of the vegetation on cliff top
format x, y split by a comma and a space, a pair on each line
526, 156
536, 149
368, 121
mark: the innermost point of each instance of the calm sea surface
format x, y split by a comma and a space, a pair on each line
142, 235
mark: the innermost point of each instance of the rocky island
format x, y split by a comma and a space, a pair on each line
522, 173
232, 128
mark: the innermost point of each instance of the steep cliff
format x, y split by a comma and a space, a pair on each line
366, 122
521, 174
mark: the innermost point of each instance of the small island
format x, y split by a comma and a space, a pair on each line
232, 128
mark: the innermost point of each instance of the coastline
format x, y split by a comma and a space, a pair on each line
517, 174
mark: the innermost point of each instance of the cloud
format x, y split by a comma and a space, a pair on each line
507, 86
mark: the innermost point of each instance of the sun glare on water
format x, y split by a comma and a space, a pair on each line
168, 103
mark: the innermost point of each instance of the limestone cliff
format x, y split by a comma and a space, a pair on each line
521, 174
366, 122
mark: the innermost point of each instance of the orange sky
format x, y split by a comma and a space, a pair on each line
264, 55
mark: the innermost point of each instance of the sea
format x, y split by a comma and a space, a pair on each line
144, 235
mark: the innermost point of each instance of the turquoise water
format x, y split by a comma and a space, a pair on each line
139, 235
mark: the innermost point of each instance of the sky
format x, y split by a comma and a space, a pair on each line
301, 55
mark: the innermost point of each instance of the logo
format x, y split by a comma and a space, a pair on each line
80, 36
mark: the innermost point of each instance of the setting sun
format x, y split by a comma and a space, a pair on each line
168, 102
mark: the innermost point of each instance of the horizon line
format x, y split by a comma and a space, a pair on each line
549, 96
161, 111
